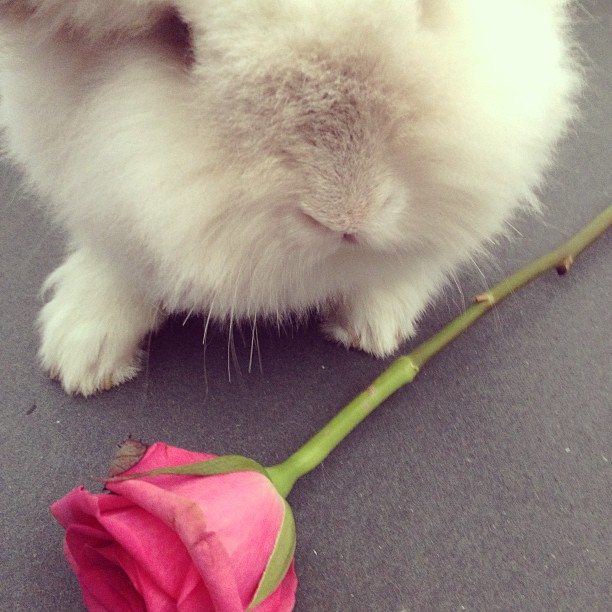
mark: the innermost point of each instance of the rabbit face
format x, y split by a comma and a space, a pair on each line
270, 159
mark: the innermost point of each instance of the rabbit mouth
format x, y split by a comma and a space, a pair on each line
343, 236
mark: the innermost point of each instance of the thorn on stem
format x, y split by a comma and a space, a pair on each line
565, 265
484, 298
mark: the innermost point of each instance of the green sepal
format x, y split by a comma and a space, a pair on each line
211, 467
279, 561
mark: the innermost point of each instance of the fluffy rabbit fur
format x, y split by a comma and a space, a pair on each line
255, 159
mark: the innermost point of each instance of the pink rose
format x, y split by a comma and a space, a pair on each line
178, 542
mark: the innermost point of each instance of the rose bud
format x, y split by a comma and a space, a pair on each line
221, 542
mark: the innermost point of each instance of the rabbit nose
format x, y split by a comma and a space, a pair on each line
350, 238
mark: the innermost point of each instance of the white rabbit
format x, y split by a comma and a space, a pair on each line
257, 159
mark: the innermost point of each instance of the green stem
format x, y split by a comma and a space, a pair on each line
403, 370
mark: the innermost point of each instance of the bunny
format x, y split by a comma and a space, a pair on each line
259, 159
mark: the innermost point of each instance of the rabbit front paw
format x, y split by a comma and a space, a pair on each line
376, 322
92, 327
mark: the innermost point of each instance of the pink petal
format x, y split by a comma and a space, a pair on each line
154, 597
104, 585
136, 531
161, 455
186, 518
243, 509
